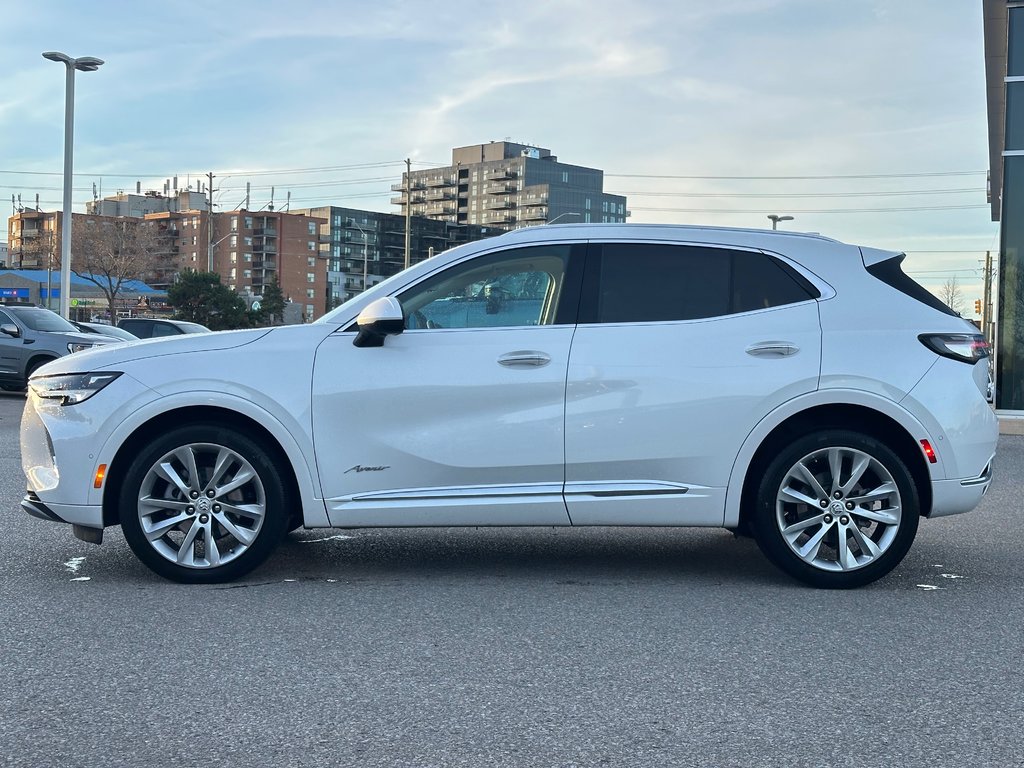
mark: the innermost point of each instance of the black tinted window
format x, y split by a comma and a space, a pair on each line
650, 283
759, 282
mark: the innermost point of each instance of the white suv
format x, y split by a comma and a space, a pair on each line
786, 385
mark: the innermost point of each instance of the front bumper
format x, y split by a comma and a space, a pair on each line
61, 450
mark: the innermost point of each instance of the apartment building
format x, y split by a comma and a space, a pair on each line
507, 185
249, 250
142, 203
364, 247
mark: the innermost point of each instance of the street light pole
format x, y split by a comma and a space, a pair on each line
775, 219
85, 64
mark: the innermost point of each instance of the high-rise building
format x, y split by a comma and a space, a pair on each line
250, 250
1004, 67
364, 247
33, 239
507, 185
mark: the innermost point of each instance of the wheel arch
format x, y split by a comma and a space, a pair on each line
883, 421
38, 359
204, 415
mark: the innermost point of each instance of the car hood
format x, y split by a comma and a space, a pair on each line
110, 355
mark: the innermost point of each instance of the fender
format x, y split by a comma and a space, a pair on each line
802, 403
314, 512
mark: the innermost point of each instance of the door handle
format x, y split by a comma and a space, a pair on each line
773, 349
524, 359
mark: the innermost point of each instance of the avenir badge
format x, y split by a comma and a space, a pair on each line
361, 468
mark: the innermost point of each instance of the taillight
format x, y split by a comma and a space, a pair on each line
965, 347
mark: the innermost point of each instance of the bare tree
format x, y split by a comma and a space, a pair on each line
111, 251
951, 295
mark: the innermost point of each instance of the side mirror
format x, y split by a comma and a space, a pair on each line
11, 330
380, 319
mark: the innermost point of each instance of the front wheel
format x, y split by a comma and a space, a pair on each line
836, 509
203, 504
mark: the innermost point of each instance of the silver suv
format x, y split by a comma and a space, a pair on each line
32, 336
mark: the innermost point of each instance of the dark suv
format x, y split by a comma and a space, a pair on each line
152, 327
31, 336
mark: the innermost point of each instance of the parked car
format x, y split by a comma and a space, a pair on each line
789, 386
151, 327
32, 336
105, 330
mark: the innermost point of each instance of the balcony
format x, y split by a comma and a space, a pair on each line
414, 185
500, 203
535, 213
500, 189
437, 194
501, 173
265, 232
440, 181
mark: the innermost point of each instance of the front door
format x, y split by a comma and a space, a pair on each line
459, 420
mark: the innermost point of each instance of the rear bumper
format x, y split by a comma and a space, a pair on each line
954, 497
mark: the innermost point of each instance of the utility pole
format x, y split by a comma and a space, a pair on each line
986, 307
209, 228
408, 212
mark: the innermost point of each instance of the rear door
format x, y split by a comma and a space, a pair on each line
680, 351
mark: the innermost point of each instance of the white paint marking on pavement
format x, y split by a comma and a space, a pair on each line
328, 538
81, 578
951, 576
928, 587
74, 564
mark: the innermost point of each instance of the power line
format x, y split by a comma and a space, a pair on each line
263, 172
810, 210
795, 178
972, 190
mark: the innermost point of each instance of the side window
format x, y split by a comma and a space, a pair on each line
6, 319
517, 287
649, 283
635, 283
159, 329
759, 282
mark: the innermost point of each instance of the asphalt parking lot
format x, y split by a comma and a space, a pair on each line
525, 647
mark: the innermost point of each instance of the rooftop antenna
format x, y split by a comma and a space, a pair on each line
247, 184
288, 203
37, 202
175, 186
94, 191
138, 187
14, 206
271, 206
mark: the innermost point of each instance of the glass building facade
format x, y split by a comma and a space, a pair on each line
1004, 59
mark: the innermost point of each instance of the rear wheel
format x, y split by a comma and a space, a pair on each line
203, 504
836, 509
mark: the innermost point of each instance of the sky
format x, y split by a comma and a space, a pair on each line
688, 106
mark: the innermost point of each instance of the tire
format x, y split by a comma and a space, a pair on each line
212, 525
875, 518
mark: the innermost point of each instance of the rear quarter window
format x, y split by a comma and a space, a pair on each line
891, 273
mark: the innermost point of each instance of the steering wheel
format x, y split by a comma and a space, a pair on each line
422, 321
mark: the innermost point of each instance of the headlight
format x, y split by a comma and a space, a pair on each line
71, 388
78, 346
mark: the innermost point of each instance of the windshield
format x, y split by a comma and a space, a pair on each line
45, 320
